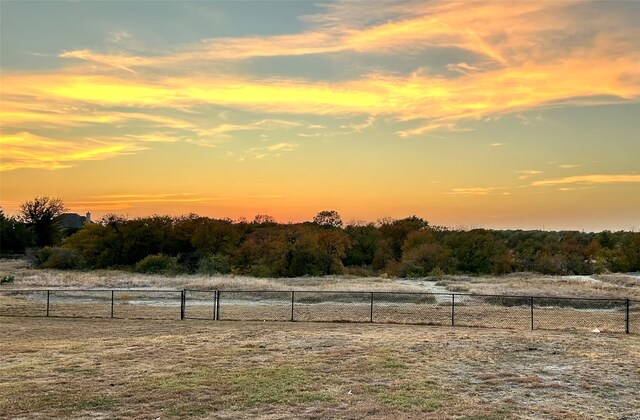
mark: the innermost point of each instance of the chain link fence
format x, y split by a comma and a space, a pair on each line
95, 303
485, 311
634, 317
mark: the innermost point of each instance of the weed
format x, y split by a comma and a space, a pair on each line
7, 279
188, 411
278, 385
182, 381
97, 403
391, 363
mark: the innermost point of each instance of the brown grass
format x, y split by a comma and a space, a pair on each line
529, 284
29, 277
470, 312
525, 284
79, 368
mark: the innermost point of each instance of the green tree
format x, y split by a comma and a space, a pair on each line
474, 250
364, 239
40, 215
15, 237
395, 232
215, 237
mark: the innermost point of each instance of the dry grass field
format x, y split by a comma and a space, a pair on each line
166, 368
149, 369
28, 277
531, 284
525, 284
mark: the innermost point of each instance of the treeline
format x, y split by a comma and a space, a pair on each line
407, 247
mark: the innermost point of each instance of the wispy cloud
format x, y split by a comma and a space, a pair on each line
27, 150
590, 179
469, 26
269, 196
478, 191
112, 202
569, 166
528, 173
273, 150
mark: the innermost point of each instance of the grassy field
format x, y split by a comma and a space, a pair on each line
526, 284
80, 368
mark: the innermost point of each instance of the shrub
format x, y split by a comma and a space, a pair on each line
437, 273
360, 271
214, 264
60, 258
409, 269
261, 270
158, 264
7, 279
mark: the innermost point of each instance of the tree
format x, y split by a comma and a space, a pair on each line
14, 235
329, 218
263, 219
423, 254
215, 237
40, 215
364, 239
396, 231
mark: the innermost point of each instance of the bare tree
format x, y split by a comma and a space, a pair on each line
40, 214
328, 218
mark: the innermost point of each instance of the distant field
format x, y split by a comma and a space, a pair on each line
527, 284
314, 300
79, 368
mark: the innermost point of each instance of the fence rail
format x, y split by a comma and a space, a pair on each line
454, 309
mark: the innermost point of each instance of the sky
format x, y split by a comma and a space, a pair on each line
507, 115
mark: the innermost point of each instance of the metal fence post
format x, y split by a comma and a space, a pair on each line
531, 304
112, 304
48, 302
371, 317
627, 318
215, 303
182, 303
292, 303
218, 306
453, 309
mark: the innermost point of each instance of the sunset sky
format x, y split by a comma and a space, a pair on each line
487, 114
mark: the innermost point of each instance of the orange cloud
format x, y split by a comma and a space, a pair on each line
112, 202
414, 97
27, 150
477, 191
590, 179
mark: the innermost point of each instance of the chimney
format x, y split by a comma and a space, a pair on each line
87, 218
